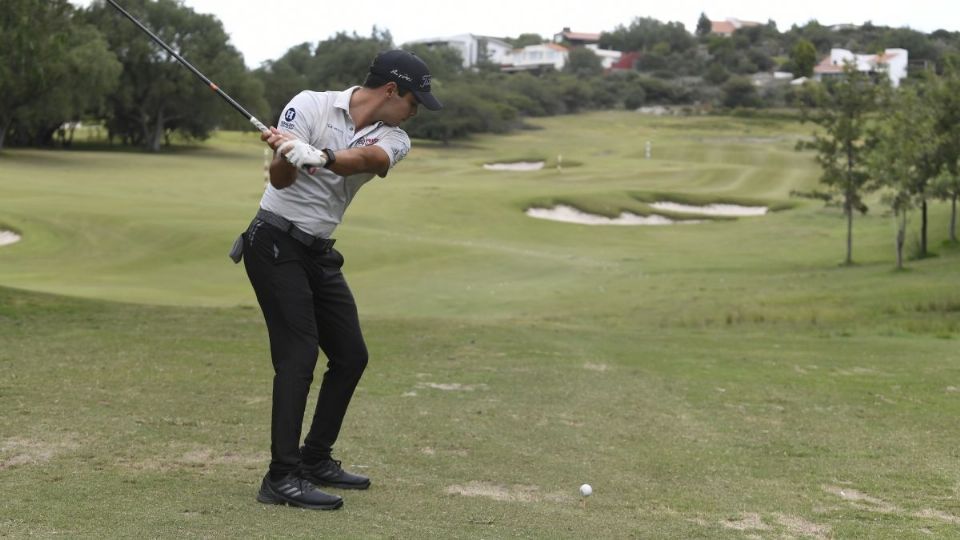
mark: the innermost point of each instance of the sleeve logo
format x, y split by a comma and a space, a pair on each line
290, 114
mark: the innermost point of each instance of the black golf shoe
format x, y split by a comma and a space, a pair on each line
297, 492
328, 472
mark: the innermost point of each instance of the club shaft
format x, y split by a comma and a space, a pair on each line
226, 97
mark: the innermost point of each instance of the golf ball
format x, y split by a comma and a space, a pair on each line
586, 490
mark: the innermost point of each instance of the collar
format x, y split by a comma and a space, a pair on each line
343, 99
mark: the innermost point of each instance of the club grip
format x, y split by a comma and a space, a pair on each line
258, 124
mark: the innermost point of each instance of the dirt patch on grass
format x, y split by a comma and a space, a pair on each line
514, 493
453, 387
182, 457
798, 526
456, 452
863, 501
596, 367
748, 521
20, 451
928, 513
795, 526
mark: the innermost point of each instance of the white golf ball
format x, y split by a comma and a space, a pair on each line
586, 490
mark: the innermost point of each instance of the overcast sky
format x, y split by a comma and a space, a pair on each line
264, 30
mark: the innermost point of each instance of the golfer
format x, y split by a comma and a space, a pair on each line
327, 146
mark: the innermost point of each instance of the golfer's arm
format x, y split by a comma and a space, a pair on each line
282, 173
365, 159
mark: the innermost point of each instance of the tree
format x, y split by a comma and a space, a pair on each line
704, 26
902, 147
644, 33
841, 110
285, 77
445, 62
540, 99
739, 92
157, 95
343, 60
947, 186
804, 57
52, 69
945, 96
467, 108
526, 39
583, 62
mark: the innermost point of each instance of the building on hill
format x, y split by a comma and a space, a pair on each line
892, 63
608, 57
544, 56
729, 26
575, 39
473, 48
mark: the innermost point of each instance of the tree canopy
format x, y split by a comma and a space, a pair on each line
90, 64
156, 94
51, 69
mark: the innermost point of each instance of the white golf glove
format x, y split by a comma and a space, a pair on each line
302, 154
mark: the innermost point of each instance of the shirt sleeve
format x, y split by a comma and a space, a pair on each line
396, 144
299, 117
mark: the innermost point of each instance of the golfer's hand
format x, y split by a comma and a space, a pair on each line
303, 156
275, 138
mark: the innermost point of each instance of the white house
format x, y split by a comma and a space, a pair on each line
893, 62
474, 48
534, 57
607, 57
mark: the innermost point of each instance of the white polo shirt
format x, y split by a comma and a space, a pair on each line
316, 202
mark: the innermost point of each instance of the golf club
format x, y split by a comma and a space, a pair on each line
258, 124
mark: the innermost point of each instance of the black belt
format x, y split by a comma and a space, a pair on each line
315, 243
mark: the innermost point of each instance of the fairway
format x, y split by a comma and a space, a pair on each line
727, 379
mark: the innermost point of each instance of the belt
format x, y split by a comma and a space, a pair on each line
315, 243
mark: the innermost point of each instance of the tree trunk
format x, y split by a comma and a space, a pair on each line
849, 259
953, 218
154, 139
4, 126
901, 238
923, 229
71, 131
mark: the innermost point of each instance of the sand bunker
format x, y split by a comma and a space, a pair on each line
569, 214
712, 209
517, 166
7, 238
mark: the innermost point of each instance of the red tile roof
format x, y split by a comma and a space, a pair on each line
722, 27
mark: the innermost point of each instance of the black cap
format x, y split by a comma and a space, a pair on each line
409, 72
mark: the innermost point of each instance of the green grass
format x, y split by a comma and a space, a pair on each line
718, 380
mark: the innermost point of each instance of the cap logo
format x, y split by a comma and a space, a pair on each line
425, 82
396, 73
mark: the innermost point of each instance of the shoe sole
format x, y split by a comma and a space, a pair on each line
267, 499
340, 485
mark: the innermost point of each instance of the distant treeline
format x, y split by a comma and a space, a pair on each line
60, 65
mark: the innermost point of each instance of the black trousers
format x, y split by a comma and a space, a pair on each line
307, 305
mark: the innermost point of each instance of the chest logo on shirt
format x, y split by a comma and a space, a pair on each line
368, 141
290, 115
